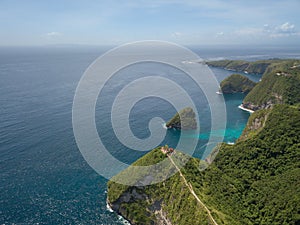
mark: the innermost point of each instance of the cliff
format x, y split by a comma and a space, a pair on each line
255, 124
168, 202
185, 120
236, 83
279, 85
258, 67
255, 181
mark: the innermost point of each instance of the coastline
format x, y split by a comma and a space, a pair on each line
165, 126
120, 217
108, 207
245, 109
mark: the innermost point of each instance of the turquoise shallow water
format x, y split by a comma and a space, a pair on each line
44, 178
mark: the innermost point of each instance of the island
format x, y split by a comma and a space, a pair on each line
236, 83
185, 120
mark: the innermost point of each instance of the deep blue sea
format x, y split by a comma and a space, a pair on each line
44, 178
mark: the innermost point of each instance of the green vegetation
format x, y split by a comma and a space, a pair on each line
255, 123
171, 198
258, 67
185, 120
255, 181
154, 157
280, 85
236, 83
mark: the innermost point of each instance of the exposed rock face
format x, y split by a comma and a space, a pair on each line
279, 84
134, 194
161, 217
128, 196
164, 203
265, 158
276, 99
185, 120
258, 123
255, 123
251, 106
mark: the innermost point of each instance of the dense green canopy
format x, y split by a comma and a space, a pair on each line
236, 83
255, 181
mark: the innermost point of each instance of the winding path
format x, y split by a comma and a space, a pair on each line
193, 193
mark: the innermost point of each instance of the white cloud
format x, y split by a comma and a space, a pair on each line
53, 34
220, 34
177, 34
287, 27
284, 30
267, 28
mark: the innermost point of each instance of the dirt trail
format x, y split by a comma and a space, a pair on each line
193, 193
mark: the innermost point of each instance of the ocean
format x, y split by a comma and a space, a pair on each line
44, 178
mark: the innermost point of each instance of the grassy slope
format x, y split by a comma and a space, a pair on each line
255, 181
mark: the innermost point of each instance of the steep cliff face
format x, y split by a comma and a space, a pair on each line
279, 85
126, 206
185, 120
236, 83
255, 181
255, 124
167, 202
258, 67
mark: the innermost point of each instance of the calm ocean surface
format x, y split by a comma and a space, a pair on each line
44, 179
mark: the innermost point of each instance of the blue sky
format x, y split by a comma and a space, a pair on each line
101, 22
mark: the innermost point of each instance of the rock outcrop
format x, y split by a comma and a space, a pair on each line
185, 120
236, 83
